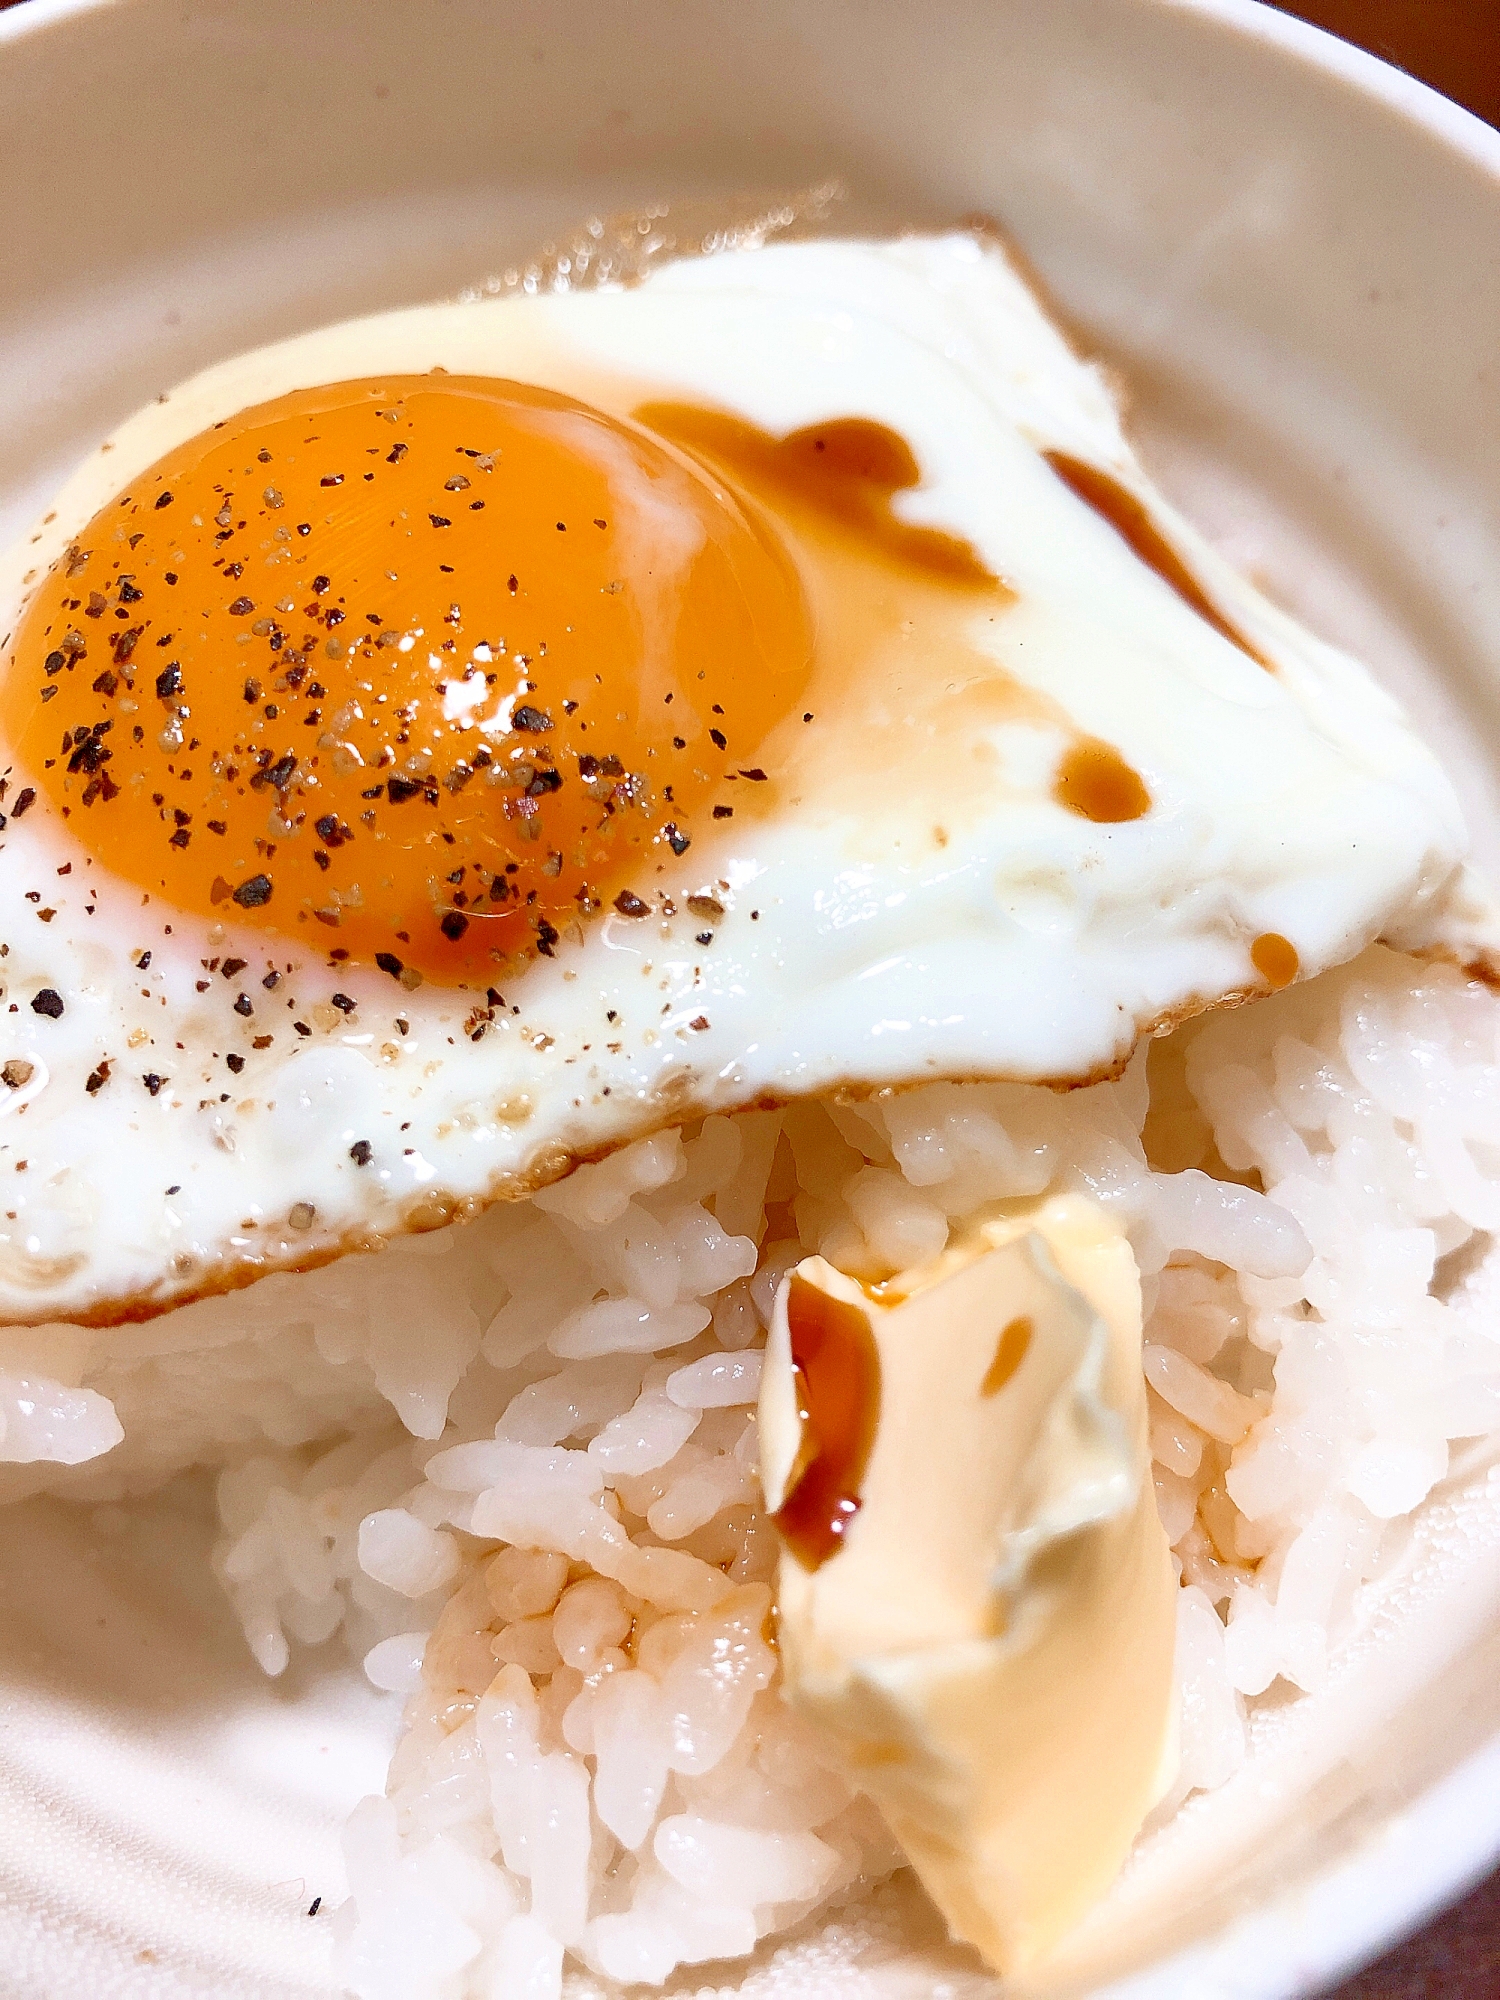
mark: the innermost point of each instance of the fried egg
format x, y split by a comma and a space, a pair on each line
448, 745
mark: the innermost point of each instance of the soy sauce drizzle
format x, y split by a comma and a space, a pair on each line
837, 1373
1275, 959
844, 474
1094, 781
1117, 505
1010, 1351
848, 469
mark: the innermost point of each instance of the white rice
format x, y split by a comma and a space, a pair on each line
515, 1463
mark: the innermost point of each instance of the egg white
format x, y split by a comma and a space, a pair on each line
856, 949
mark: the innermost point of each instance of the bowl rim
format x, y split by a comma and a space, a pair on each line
1425, 1857
1371, 75
1254, 20
1311, 1936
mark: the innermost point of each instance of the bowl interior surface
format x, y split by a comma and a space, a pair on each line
1293, 260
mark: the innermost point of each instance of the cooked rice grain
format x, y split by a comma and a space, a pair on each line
558, 1554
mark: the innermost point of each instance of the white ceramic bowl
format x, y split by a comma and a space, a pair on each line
1291, 253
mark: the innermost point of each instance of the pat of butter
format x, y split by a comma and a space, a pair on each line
990, 1640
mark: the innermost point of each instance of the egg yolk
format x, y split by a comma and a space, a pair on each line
427, 668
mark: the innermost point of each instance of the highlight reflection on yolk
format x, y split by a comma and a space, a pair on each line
438, 663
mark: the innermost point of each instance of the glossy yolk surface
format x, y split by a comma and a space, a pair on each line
421, 669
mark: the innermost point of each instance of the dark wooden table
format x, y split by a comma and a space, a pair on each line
1455, 46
